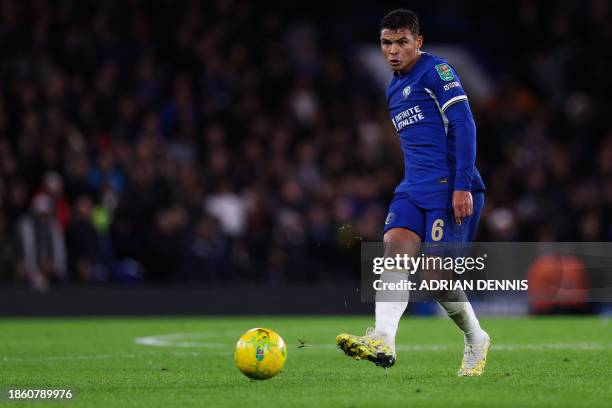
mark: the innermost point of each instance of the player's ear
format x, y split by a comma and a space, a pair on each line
419, 41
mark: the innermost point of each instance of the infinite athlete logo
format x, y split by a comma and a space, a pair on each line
407, 117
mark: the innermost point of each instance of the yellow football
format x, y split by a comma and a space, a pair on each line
260, 353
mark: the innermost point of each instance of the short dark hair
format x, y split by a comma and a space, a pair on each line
401, 18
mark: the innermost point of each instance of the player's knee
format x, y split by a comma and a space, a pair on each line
401, 241
401, 235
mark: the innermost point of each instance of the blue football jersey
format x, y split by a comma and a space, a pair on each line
417, 103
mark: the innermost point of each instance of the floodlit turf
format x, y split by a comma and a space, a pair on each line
534, 362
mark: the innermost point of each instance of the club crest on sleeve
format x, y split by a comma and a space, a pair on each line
406, 92
445, 72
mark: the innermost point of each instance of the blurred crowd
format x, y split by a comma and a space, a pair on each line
191, 142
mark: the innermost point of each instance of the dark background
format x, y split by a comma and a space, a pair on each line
225, 142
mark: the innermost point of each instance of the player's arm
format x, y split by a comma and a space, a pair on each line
453, 103
461, 120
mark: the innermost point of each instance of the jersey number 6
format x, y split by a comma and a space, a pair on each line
437, 229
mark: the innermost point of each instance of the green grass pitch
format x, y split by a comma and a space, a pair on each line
534, 362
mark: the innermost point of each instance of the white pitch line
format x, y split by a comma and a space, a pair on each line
552, 346
176, 340
184, 340
149, 341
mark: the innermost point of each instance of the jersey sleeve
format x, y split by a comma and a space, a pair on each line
446, 86
447, 90
460, 119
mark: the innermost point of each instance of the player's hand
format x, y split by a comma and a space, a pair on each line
463, 206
